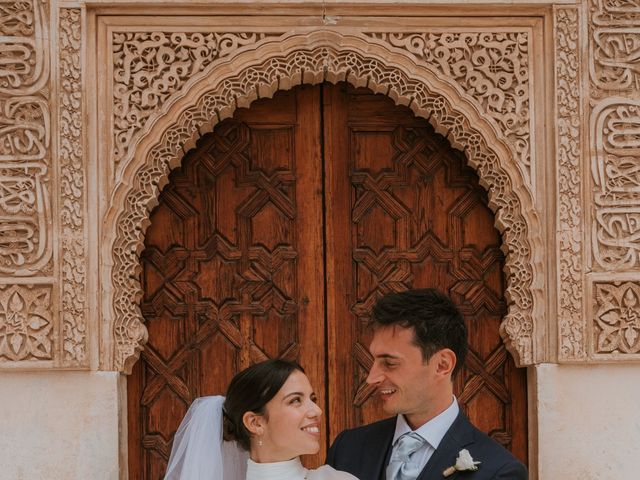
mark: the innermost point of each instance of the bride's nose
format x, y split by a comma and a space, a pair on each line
314, 411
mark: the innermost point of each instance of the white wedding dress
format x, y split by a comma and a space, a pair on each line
292, 470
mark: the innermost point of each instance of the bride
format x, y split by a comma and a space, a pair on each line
268, 419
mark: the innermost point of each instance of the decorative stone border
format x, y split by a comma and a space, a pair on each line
314, 57
570, 224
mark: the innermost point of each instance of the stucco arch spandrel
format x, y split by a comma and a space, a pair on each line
314, 58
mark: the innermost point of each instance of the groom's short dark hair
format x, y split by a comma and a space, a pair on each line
436, 321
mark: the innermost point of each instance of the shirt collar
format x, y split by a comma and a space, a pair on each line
434, 430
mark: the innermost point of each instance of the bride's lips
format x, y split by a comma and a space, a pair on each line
312, 429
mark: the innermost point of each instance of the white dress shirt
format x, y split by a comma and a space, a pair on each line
433, 431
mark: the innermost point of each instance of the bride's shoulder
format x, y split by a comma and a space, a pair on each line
326, 472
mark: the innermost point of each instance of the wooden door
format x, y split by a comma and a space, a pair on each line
405, 211
275, 238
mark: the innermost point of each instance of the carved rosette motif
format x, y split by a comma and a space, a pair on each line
309, 62
150, 66
491, 67
26, 325
617, 318
72, 191
571, 321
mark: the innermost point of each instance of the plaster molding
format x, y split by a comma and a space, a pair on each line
72, 184
323, 55
570, 225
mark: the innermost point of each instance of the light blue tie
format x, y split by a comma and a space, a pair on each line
400, 466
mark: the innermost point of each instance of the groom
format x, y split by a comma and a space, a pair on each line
419, 343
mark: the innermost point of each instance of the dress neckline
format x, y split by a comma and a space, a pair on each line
287, 470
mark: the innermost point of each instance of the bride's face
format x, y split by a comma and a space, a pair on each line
291, 424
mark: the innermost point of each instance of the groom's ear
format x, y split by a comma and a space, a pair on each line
445, 362
253, 422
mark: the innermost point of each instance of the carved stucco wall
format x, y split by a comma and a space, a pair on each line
166, 86
614, 200
42, 322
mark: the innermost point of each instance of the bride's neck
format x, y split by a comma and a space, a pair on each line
262, 455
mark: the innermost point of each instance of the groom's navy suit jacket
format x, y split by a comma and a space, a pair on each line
365, 451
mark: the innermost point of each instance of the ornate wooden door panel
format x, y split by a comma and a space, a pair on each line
325, 195
233, 268
404, 210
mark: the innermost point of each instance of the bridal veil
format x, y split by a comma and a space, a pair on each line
199, 452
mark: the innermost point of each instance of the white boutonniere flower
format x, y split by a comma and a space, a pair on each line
464, 463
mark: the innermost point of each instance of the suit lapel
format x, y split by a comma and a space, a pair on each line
457, 437
378, 451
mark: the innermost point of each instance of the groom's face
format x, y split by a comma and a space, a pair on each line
406, 383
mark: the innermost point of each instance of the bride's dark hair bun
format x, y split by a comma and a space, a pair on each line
228, 429
250, 391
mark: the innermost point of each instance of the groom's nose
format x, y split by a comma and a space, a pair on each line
375, 376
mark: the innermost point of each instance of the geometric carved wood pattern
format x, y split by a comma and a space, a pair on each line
406, 211
234, 270
230, 271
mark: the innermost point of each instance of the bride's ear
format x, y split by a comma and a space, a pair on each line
253, 422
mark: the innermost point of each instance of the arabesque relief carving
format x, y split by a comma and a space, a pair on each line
25, 322
73, 249
491, 67
619, 12
617, 317
615, 122
616, 176
571, 320
24, 69
614, 47
26, 310
614, 68
314, 58
25, 130
24, 214
616, 59
150, 66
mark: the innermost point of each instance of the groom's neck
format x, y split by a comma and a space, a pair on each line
419, 417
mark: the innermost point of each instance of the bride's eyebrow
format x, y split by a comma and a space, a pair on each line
292, 394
